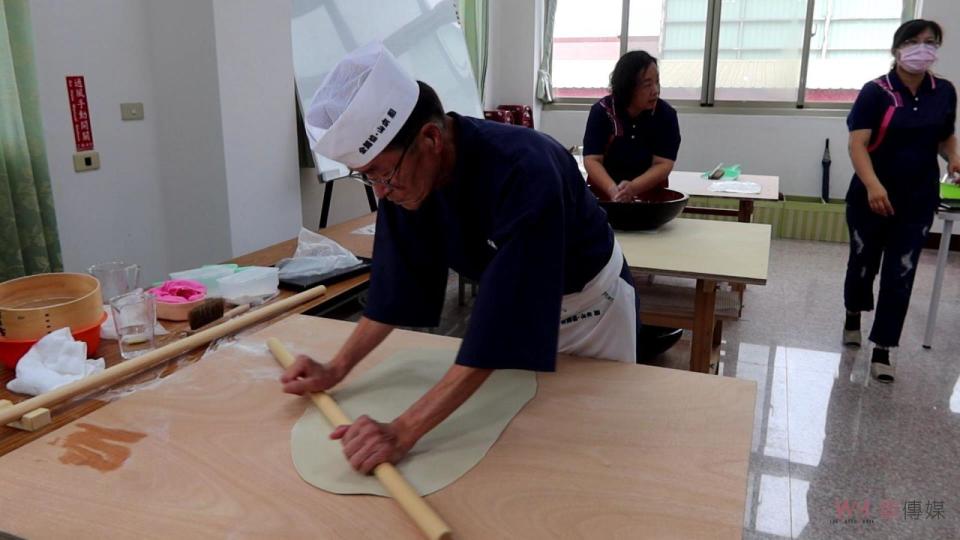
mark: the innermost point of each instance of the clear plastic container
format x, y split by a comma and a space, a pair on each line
208, 275
248, 283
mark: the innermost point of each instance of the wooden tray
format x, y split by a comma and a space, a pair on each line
33, 306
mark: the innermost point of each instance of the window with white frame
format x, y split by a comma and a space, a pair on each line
754, 50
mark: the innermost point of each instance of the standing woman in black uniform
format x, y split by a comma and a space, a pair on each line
898, 124
629, 147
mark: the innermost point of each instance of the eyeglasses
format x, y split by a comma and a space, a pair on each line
373, 182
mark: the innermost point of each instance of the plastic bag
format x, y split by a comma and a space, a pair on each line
721, 172
316, 254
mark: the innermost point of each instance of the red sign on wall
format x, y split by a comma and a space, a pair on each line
82, 132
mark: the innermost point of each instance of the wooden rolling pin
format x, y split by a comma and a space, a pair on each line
412, 503
155, 357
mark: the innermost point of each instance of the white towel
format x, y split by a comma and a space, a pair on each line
57, 359
733, 186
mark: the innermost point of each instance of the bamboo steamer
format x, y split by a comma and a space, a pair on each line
33, 306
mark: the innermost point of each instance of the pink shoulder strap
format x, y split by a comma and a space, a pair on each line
884, 83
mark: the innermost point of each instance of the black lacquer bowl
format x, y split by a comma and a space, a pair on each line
648, 211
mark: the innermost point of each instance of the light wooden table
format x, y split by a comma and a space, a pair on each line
604, 450
708, 251
361, 245
694, 184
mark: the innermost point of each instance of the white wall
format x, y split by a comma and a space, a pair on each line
117, 211
947, 13
788, 146
211, 171
190, 143
514, 52
259, 115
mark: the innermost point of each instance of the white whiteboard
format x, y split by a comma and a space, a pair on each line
424, 35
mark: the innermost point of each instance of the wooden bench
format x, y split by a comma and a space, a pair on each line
672, 305
669, 303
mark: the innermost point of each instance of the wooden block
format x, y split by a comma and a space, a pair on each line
667, 299
35, 419
32, 421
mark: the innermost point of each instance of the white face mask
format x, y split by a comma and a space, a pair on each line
917, 58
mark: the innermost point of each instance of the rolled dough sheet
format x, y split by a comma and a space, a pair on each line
442, 455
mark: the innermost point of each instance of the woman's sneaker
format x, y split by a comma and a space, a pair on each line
851, 330
881, 365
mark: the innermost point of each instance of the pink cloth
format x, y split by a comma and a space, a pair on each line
179, 291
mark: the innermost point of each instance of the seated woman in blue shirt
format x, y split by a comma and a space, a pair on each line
898, 124
503, 205
629, 147
632, 136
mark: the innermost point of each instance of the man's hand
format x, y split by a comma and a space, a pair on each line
879, 201
367, 443
307, 375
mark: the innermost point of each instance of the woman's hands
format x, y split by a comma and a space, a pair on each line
625, 192
603, 186
953, 168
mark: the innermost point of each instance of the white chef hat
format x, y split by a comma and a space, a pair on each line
360, 106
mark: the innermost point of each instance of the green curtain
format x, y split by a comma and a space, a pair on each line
474, 14
544, 83
28, 226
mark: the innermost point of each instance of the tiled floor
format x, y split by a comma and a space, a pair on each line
830, 444
835, 454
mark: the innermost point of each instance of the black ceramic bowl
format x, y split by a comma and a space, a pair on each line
649, 211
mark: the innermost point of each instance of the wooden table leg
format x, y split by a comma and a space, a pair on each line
704, 319
717, 345
744, 215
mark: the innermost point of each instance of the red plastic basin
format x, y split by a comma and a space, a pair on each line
11, 350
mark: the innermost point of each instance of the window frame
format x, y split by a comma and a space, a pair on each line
711, 54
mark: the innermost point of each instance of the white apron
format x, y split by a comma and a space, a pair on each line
601, 320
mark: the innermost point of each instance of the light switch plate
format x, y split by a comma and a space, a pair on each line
131, 111
86, 161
